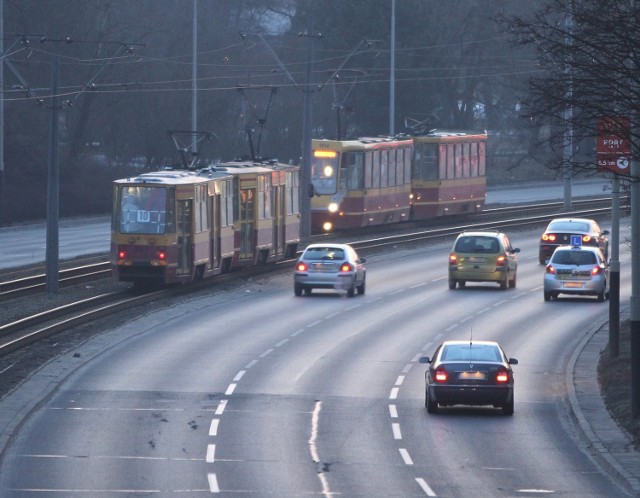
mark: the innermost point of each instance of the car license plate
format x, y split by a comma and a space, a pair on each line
475, 259
573, 285
472, 376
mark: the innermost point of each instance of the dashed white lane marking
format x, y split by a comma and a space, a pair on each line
221, 406
425, 487
211, 453
239, 375
405, 456
282, 342
333, 315
230, 389
393, 411
313, 324
395, 428
394, 393
266, 353
418, 285
297, 332
399, 380
213, 428
5, 369
250, 364
213, 483
399, 291
466, 319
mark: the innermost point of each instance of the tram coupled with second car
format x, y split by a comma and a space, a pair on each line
203, 223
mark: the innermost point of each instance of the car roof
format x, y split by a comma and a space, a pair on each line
578, 248
572, 220
328, 244
472, 342
479, 233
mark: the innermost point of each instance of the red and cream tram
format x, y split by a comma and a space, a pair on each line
448, 174
180, 226
360, 182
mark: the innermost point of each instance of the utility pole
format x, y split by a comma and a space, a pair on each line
392, 73
194, 79
568, 113
2, 188
53, 187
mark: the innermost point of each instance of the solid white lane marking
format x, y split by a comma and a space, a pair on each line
333, 315
211, 453
221, 406
313, 448
405, 456
213, 483
394, 393
539, 491
418, 285
284, 341
425, 487
5, 369
395, 428
267, 352
213, 428
239, 376
466, 319
355, 306
399, 291
393, 411
230, 389
250, 364
400, 380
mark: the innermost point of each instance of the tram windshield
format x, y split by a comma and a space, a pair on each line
143, 210
324, 171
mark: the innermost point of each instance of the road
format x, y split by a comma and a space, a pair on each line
254, 392
26, 245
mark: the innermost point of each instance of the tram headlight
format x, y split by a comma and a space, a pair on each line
327, 226
333, 207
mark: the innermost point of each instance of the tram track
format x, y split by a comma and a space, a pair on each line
30, 329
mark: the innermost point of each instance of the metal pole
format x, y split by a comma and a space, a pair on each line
568, 117
2, 187
392, 74
305, 167
194, 80
52, 263
614, 271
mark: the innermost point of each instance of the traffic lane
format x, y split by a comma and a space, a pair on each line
325, 344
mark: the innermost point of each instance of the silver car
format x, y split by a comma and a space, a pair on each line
576, 270
330, 266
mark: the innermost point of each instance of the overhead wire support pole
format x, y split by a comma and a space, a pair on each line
52, 262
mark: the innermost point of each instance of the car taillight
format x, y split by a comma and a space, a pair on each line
453, 259
549, 237
301, 266
586, 239
122, 254
162, 255
502, 376
501, 260
440, 375
596, 270
346, 267
550, 270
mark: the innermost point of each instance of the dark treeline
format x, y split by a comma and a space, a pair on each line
454, 68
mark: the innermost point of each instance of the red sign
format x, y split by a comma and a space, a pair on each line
614, 144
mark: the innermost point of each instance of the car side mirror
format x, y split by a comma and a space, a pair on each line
513, 361
424, 359
363, 260
517, 249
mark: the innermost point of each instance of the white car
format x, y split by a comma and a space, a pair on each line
576, 270
330, 266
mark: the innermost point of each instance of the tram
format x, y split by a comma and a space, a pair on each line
375, 181
177, 226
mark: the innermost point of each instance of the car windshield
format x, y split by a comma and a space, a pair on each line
477, 244
470, 352
568, 226
574, 258
324, 253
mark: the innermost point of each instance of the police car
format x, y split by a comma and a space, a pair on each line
576, 270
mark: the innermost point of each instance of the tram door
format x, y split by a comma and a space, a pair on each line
215, 232
278, 219
247, 217
183, 221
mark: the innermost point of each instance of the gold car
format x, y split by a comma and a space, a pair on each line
483, 257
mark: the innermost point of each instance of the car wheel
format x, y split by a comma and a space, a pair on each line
512, 282
432, 406
504, 283
461, 283
361, 287
507, 408
307, 290
547, 296
601, 294
297, 290
352, 290
452, 283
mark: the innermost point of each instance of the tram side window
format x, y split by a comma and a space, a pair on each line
426, 162
400, 166
200, 212
451, 173
481, 158
368, 169
375, 182
473, 159
226, 204
392, 167
354, 163
408, 153
143, 210
466, 167
442, 163
384, 168
293, 188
